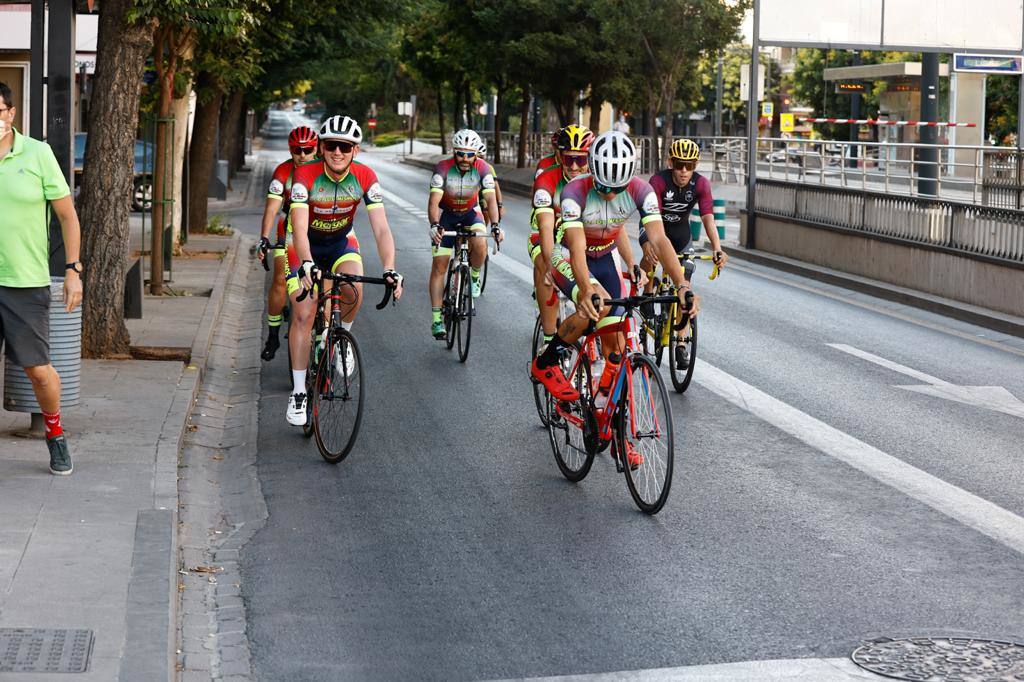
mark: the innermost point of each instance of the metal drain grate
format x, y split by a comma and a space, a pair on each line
41, 650
938, 659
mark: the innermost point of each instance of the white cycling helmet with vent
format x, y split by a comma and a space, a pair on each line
467, 140
613, 159
341, 128
482, 149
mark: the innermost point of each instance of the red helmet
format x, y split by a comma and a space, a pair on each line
554, 137
302, 136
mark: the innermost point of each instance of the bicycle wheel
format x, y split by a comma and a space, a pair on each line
539, 393
645, 432
687, 347
483, 274
451, 321
572, 427
650, 335
338, 401
464, 313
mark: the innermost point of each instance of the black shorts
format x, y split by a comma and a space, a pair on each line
25, 325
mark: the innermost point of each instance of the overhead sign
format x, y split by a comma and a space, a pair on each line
988, 63
786, 123
851, 87
988, 26
767, 109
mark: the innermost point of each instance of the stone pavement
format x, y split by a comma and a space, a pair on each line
98, 549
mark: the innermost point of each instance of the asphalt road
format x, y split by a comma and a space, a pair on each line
816, 502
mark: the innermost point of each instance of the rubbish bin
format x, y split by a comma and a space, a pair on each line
65, 355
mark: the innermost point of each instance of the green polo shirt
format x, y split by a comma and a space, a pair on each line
29, 178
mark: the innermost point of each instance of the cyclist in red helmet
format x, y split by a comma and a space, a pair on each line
302, 144
552, 159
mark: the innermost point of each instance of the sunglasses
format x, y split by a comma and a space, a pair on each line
465, 155
303, 150
601, 189
679, 164
577, 160
335, 145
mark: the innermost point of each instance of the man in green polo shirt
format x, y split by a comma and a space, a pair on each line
31, 183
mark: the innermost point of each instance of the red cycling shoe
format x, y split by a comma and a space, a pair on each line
554, 381
634, 458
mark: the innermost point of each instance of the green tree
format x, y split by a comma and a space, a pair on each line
1001, 108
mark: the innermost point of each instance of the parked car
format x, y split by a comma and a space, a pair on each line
142, 186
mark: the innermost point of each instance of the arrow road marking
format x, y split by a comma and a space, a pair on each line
994, 398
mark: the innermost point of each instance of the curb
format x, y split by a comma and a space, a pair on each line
990, 319
154, 556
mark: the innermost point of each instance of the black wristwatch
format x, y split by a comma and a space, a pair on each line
76, 266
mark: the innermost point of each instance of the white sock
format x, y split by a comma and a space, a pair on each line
298, 381
347, 326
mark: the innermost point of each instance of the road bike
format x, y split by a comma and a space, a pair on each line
334, 382
457, 306
634, 423
663, 330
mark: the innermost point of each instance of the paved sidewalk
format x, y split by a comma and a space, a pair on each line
97, 550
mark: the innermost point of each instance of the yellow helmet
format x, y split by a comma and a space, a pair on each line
574, 138
685, 150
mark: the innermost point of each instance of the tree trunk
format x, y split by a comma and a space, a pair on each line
456, 116
440, 117
524, 127
652, 136
229, 129
104, 201
243, 127
179, 111
469, 103
667, 133
499, 113
162, 167
201, 155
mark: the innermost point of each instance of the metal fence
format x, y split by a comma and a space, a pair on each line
971, 229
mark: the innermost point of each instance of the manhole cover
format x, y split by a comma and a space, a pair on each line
943, 659
38, 650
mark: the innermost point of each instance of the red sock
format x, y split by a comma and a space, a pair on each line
53, 426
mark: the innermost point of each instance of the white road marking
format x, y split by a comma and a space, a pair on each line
994, 398
967, 508
791, 670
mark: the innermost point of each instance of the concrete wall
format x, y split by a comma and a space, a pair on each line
933, 271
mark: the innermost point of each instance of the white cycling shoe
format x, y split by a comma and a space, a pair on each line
296, 413
349, 367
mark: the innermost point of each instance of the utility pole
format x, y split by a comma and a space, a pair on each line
718, 97
928, 158
855, 114
753, 113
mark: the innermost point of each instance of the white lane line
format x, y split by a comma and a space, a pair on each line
791, 670
967, 508
888, 364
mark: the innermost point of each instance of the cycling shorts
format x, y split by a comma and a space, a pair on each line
472, 219
326, 256
604, 270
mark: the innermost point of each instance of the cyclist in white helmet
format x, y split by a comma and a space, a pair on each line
324, 199
594, 210
455, 188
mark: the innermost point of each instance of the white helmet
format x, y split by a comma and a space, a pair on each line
482, 149
613, 159
341, 128
466, 139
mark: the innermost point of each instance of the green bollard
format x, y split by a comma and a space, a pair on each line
696, 226
719, 212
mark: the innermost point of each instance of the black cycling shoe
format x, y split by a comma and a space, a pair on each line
270, 348
683, 356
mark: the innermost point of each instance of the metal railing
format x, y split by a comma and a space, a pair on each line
968, 228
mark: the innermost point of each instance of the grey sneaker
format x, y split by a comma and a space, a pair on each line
60, 458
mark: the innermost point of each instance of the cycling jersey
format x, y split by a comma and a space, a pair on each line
547, 189
459, 191
332, 205
280, 188
602, 221
545, 163
676, 204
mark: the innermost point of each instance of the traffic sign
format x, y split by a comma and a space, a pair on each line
786, 123
767, 109
371, 123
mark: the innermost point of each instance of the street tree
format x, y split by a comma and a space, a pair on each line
103, 203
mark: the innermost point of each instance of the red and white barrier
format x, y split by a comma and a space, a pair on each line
876, 122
